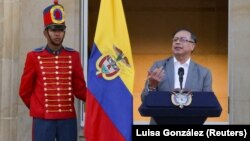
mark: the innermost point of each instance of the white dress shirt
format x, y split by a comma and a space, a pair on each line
177, 65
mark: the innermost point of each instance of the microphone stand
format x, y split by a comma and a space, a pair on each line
181, 73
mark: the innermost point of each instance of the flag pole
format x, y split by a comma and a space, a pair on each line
84, 47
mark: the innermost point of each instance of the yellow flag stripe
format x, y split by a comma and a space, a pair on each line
112, 30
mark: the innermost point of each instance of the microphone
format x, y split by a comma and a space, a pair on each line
181, 73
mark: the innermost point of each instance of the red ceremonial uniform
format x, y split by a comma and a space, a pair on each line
52, 78
50, 82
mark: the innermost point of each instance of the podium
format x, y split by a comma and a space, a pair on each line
158, 105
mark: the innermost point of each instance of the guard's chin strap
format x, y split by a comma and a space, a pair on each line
48, 35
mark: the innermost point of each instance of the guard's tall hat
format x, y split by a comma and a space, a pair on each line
53, 16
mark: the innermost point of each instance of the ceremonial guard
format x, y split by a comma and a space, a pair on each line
52, 77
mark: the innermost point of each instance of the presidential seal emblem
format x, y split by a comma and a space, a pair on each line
181, 98
108, 65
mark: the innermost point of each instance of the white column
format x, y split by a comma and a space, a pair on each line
239, 65
9, 49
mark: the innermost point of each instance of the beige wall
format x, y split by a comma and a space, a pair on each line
239, 65
9, 40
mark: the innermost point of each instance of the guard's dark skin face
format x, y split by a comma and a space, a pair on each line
54, 38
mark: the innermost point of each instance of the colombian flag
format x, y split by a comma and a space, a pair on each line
109, 104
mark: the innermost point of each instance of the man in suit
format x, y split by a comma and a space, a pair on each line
163, 75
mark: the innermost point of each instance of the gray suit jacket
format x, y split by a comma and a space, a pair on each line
199, 78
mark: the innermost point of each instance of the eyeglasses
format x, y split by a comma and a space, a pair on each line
182, 40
